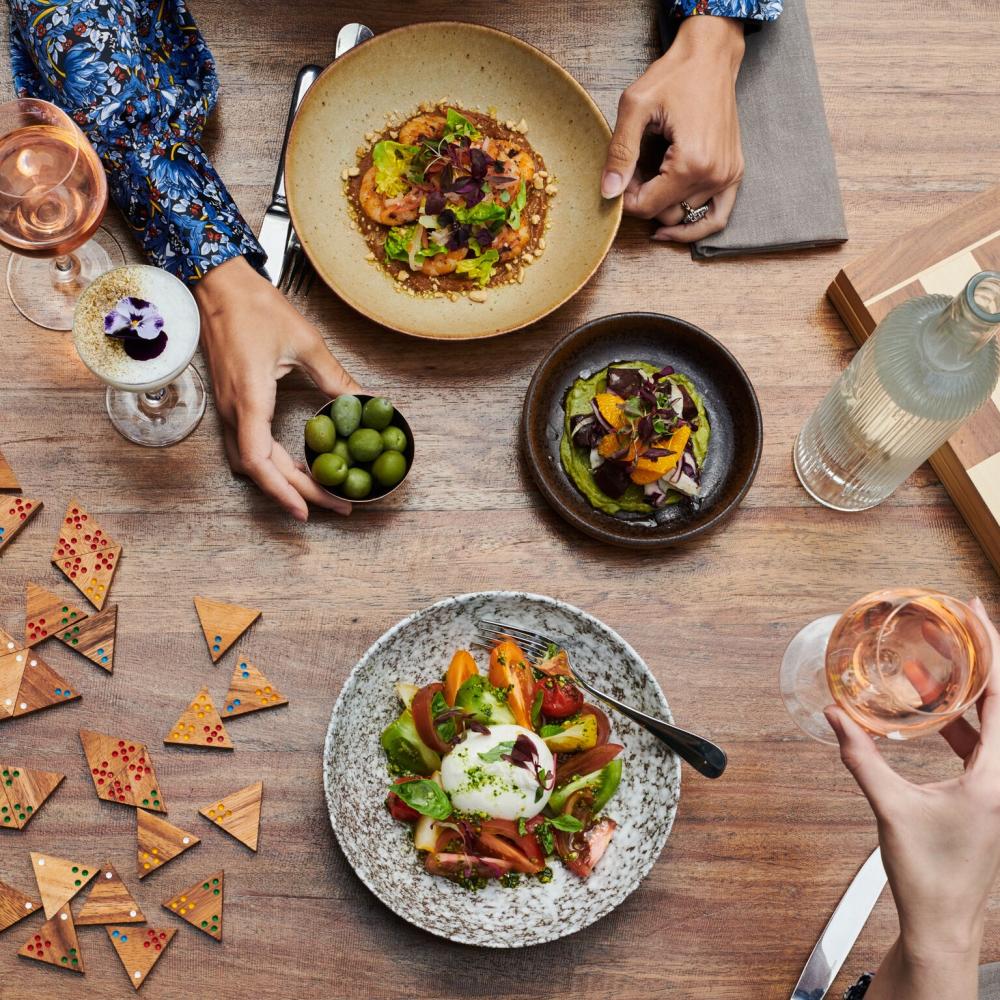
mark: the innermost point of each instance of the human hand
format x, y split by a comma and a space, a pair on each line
252, 336
689, 97
941, 841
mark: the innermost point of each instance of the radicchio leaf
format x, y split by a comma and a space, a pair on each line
434, 203
585, 431
624, 382
612, 478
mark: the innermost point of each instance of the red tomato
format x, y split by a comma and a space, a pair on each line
560, 698
456, 866
398, 809
499, 838
597, 839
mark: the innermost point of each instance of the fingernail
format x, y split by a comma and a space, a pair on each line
662, 236
612, 184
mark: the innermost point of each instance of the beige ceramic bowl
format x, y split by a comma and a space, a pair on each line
474, 67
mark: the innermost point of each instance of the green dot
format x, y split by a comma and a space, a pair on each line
205, 886
77, 883
64, 960
215, 881
17, 774
215, 892
72, 951
75, 869
204, 923
85, 873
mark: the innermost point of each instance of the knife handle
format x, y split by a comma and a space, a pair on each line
305, 79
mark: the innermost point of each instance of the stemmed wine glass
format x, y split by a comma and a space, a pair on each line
53, 194
901, 662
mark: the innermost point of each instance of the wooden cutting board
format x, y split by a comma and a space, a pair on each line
940, 257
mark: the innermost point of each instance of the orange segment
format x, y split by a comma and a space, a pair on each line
612, 408
611, 443
648, 470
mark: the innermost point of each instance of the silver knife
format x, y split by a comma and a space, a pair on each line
277, 224
839, 935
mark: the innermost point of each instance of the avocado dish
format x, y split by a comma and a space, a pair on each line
635, 437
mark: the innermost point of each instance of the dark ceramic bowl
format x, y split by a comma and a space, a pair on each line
733, 413
378, 492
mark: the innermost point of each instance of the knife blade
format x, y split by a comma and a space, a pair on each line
277, 224
842, 930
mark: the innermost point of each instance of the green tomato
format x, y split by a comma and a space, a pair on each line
329, 469
321, 435
378, 413
346, 414
365, 444
357, 485
341, 449
389, 468
394, 439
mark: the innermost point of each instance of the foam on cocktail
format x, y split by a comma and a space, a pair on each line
106, 356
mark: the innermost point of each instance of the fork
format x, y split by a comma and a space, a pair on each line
296, 269
703, 755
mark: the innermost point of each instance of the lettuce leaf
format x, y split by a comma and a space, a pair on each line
517, 207
479, 268
392, 161
397, 245
459, 125
486, 213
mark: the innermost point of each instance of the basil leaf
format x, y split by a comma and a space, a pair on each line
425, 796
536, 709
568, 824
446, 729
500, 750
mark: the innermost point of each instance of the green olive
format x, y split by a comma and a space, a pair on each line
389, 468
341, 449
378, 413
394, 439
365, 444
329, 469
321, 435
346, 412
357, 485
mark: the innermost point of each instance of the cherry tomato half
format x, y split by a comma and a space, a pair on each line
560, 698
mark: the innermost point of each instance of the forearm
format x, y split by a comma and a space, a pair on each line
920, 974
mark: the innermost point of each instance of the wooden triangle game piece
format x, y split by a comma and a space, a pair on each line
250, 691
201, 905
8, 481
25, 791
94, 637
140, 948
14, 906
239, 814
59, 880
79, 534
7, 642
121, 771
158, 842
200, 725
56, 943
15, 513
223, 624
46, 613
11, 672
109, 902
41, 687
92, 572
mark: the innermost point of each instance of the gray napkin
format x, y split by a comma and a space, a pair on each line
789, 198
989, 982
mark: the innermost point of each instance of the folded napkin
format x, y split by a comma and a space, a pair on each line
989, 982
789, 198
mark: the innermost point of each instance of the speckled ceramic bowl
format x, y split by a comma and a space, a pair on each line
475, 67
418, 649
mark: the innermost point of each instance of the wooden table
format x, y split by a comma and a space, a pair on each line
756, 861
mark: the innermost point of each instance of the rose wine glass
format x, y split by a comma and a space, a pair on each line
901, 662
53, 194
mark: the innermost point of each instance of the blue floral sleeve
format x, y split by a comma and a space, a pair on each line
138, 78
744, 10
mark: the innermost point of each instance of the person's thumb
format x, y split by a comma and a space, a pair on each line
623, 151
861, 757
327, 372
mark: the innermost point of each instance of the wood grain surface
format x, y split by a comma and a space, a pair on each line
757, 860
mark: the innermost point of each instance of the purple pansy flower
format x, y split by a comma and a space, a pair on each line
139, 326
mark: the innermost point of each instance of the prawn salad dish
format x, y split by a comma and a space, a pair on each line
498, 775
635, 437
451, 202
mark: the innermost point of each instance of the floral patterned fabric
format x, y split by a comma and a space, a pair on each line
745, 10
138, 78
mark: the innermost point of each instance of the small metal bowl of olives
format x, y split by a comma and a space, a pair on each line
359, 448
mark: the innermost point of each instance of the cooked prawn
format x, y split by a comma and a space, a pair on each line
388, 211
511, 160
421, 128
443, 263
511, 243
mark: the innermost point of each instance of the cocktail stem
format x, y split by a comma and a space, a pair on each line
154, 404
64, 269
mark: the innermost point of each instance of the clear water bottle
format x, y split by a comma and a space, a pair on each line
929, 365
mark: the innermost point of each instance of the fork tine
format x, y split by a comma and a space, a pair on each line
310, 277
517, 630
294, 266
489, 636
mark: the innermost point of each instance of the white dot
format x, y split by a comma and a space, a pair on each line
10, 645
29, 906
24, 705
137, 974
185, 840
9, 701
131, 913
19, 658
107, 874
34, 663
64, 916
41, 861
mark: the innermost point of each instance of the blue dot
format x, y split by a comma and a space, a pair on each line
114, 933
243, 666
67, 693
104, 659
58, 691
229, 708
236, 701
100, 652
246, 674
124, 938
218, 638
215, 649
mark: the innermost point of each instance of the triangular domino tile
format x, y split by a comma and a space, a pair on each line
200, 725
109, 901
56, 943
158, 841
22, 793
201, 905
15, 513
92, 572
139, 949
94, 637
250, 691
222, 624
79, 533
239, 814
45, 613
59, 880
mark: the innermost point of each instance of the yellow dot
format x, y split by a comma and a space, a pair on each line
173, 906
156, 850
146, 866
